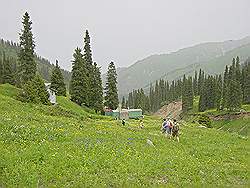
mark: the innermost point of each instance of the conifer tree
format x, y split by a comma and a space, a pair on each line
234, 87
123, 102
78, 82
27, 63
246, 82
111, 98
34, 91
97, 95
89, 69
57, 81
1, 71
184, 94
195, 84
225, 91
218, 92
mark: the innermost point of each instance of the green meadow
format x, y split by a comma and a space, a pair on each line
70, 146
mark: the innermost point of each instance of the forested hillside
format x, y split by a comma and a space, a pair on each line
211, 57
10, 50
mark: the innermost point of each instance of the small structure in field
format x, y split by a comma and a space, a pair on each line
52, 94
124, 113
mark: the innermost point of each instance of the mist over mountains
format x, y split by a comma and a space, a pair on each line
211, 57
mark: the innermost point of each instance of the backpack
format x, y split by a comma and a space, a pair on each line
175, 128
170, 124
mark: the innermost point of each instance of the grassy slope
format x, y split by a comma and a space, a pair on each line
240, 126
54, 146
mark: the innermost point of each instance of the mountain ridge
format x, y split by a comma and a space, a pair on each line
153, 67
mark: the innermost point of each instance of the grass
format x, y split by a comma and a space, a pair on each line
65, 146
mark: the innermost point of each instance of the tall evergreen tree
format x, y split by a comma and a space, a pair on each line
27, 63
78, 82
89, 70
234, 87
246, 82
111, 98
195, 84
97, 95
57, 81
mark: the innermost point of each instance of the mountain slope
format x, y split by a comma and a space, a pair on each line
154, 67
44, 67
64, 146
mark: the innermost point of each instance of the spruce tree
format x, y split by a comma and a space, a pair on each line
195, 84
97, 95
225, 91
27, 63
78, 82
34, 91
234, 88
123, 102
111, 95
89, 70
1, 71
57, 81
218, 92
246, 82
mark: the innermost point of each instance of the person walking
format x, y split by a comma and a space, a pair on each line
175, 130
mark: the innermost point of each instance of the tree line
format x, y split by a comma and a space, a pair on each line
85, 86
227, 91
9, 51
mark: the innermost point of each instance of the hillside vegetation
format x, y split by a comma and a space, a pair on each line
211, 57
44, 67
66, 145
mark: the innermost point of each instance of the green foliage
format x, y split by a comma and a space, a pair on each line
111, 92
27, 64
34, 91
245, 82
57, 82
44, 67
187, 94
51, 146
78, 83
205, 120
97, 90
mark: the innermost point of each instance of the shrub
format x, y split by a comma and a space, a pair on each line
205, 120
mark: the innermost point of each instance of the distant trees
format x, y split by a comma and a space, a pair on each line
57, 81
187, 94
245, 82
228, 91
111, 92
27, 64
8, 68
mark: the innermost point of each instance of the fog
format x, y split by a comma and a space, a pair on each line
124, 31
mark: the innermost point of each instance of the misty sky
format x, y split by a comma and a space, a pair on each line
124, 31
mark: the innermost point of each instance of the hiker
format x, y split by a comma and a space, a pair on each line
141, 124
164, 126
170, 126
123, 122
175, 130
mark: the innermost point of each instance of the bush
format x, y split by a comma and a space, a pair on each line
34, 91
205, 120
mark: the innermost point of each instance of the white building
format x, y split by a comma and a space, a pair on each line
52, 94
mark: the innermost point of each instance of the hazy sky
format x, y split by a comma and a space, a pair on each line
124, 31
